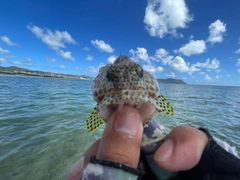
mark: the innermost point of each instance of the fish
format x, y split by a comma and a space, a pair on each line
125, 82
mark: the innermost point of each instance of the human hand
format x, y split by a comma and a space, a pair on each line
182, 149
121, 140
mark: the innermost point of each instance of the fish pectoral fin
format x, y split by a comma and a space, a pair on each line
93, 121
165, 106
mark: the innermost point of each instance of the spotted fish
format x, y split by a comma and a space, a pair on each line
125, 83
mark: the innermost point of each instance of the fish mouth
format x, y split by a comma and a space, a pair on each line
145, 109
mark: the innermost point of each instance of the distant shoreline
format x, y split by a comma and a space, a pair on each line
23, 75
171, 80
13, 70
16, 71
165, 81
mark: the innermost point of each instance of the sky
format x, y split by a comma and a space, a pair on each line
197, 41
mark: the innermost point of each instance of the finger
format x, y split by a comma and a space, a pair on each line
75, 172
182, 149
122, 137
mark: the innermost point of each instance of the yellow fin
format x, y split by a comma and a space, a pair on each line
165, 106
94, 121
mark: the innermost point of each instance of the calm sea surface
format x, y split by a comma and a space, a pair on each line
42, 121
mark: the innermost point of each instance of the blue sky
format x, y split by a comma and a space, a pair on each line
197, 41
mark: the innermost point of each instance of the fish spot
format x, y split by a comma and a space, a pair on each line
152, 94
95, 93
100, 98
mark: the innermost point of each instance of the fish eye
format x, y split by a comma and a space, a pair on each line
101, 69
107, 71
141, 74
139, 71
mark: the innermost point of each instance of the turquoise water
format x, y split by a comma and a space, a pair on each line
42, 121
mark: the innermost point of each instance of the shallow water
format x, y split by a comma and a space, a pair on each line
42, 121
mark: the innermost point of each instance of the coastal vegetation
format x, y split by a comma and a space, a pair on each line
13, 70
171, 80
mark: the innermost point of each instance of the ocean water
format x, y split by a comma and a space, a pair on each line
42, 121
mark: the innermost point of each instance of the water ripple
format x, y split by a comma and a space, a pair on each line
42, 121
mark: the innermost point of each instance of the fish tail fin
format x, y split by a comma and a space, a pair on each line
165, 106
93, 121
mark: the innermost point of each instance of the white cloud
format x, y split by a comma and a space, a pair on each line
25, 62
165, 17
163, 55
193, 47
63, 67
152, 69
238, 51
238, 63
178, 64
207, 77
140, 53
216, 32
17, 62
102, 46
7, 41
3, 60
209, 65
167, 60
66, 55
51, 60
214, 64
218, 76
159, 69
192, 69
160, 55
86, 48
111, 59
92, 69
89, 58
55, 40
238, 70
3, 51
171, 75
228, 75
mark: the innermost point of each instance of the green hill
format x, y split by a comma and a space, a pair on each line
170, 80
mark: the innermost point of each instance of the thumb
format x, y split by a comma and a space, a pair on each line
181, 149
122, 137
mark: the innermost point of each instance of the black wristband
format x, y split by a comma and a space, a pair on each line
114, 165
